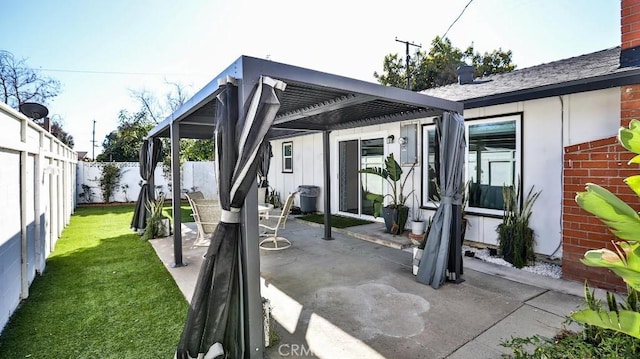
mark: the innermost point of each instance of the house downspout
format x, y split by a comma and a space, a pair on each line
551, 256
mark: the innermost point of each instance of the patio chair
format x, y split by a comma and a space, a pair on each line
191, 196
273, 242
206, 214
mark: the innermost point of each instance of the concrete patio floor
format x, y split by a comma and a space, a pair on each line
350, 298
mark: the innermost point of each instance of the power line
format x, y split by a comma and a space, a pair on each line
111, 72
456, 20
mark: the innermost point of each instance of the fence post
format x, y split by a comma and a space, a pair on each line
24, 277
37, 189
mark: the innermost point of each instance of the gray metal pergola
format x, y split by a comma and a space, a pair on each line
313, 102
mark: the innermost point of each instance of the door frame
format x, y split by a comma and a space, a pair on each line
335, 168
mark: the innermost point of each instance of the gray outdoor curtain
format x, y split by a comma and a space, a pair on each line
265, 155
442, 256
215, 322
149, 156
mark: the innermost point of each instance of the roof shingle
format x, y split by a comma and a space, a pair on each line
550, 75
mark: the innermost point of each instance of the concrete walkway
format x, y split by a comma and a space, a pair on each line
349, 298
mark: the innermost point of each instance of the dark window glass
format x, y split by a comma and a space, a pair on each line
491, 162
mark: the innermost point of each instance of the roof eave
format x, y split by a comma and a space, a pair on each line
617, 79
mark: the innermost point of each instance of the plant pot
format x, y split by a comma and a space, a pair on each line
262, 194
417, 227
164, 228
417, 255
395, 219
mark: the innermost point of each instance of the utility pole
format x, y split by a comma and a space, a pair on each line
93, 142
407, 44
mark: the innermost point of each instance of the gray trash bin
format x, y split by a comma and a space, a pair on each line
308, 198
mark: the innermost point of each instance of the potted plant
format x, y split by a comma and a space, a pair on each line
263, 189
418, 248
395, 214
157, 224
515, 237
417, 224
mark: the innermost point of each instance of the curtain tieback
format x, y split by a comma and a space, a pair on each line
230, 216
451, 200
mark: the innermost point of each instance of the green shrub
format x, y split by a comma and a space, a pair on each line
515, 237
624, 223
109, 181
612, 331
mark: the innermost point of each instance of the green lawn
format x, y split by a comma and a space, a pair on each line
185, 212
104, 294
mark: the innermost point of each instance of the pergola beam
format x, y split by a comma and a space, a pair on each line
326, 106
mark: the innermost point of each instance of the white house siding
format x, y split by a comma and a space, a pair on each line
307, 167
546, 129
592, 116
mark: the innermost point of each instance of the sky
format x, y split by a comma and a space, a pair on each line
101, 51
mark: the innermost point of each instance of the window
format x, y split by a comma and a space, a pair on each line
287, 157
491, 161
431, 170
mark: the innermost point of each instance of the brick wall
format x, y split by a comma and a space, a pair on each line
629, 104
629, 23
603, 162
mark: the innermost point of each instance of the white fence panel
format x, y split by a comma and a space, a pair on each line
37, 178
198, 176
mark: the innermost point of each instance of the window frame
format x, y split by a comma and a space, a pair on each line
336, 166
425, 202
517, 118
486, 212
286, 169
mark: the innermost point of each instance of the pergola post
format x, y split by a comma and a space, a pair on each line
250, 254
327, 184
175, 194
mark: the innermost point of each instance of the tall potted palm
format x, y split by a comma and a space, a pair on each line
395, 214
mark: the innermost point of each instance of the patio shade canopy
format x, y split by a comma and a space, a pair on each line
312, 102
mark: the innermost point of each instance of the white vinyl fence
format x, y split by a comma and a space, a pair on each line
37, 191
195, 176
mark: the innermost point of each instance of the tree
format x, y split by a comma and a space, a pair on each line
156, 110
439, 66
123, 144
190, 149
20, 83
58, 132
55, 128
196, 150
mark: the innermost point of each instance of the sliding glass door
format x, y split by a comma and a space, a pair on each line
354, 155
